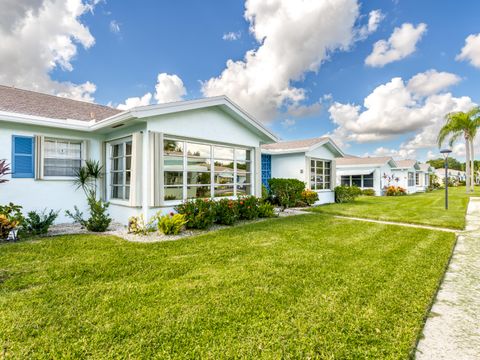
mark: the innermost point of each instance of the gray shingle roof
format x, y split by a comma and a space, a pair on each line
294, 144
406, 163
379, 160
38, 104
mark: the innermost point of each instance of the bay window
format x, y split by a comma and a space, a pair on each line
62, 158
320, 173
198, 170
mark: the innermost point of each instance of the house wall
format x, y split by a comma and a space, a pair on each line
403, 182
323, 153
378, 176
37, 195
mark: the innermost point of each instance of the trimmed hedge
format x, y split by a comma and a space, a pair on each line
286, 192
346, 194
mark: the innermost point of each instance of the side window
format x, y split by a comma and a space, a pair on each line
23, 164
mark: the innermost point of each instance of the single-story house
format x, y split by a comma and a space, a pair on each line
312, 161
406, 171
367, 172
422, 176
455, 175
154, 156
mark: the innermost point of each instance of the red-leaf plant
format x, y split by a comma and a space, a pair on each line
4, 170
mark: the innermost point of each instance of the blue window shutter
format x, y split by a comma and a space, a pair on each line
266, 169
23, 159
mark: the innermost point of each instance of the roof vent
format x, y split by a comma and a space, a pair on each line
117, 126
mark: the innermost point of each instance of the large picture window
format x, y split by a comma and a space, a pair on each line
62, 158
320, 173
197, 170
120, 169
362, 181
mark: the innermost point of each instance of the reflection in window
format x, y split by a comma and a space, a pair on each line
120, 173
320, 173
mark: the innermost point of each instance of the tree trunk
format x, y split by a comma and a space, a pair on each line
472, 165
467, 163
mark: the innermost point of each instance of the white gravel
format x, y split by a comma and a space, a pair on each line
120, 230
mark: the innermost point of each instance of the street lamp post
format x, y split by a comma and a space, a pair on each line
445, 153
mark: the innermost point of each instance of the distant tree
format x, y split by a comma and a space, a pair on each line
453, 163
462, 124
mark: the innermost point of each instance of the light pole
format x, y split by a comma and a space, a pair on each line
445, 153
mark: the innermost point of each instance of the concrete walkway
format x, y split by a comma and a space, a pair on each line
452, 330
397, 223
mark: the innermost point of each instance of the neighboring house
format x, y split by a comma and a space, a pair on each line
422, 176
310, 160
454, 175
366, 172
406, 171
154, 156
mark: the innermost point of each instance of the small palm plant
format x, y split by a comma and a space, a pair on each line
4, 170
87, 178
464, 124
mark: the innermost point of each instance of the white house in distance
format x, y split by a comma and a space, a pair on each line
312, 161
154, 156
366, 172
422, 176
455, 175
406, 173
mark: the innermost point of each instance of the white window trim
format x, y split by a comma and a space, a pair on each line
108, 173
83, 155
323, 174
361, 181
168, 203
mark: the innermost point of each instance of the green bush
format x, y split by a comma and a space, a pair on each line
266, 210
10, 219
286, 192
99, 220
199, 213
247, 207
346, 194
171, 224
309, 196
368, 192
38, 223
226, 212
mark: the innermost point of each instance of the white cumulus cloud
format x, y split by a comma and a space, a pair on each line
471, 51
431, 82
375, 17
395, 108
169, 88
402, 43
38, 36
294, 38
136, 101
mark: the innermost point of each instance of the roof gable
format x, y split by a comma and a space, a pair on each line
303, 145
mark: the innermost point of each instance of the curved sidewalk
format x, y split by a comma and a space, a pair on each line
452, 330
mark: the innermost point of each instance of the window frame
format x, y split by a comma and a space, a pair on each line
411, 179
211, 171
362, 180
14, 154
124, 141
313, 173
69, 140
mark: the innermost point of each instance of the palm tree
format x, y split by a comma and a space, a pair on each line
4, 170
462, 124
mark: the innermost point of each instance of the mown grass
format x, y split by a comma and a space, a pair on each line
299, 287
421, 208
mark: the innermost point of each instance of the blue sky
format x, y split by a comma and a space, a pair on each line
134, 43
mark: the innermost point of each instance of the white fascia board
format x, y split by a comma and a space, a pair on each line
331, 143
69, 124
284, 152
359, 166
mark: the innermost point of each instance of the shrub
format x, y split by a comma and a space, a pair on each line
226, 212
368, 192
395, 191
4, 170
38, 223
199, 213
138, 226
309, 196
345, 194
247, 207
286, 192
10, 219
266, 210
99, 221
171, 224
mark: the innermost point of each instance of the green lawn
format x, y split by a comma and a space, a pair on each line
421, 208
298, 287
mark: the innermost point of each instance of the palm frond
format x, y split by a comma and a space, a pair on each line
94, 169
